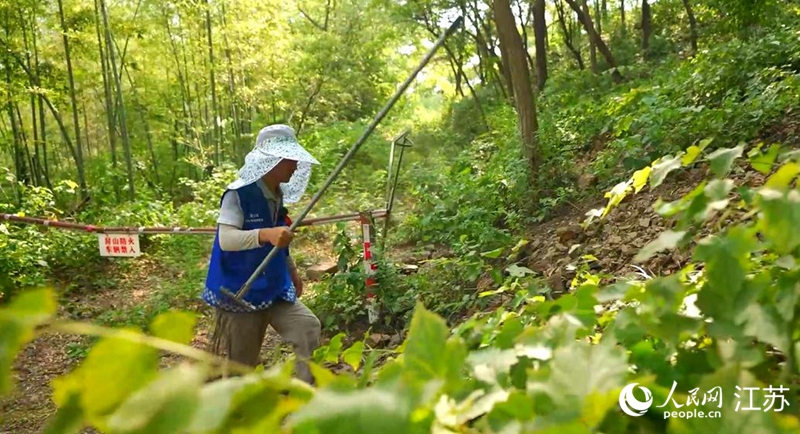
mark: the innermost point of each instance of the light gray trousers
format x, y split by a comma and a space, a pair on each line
295, 323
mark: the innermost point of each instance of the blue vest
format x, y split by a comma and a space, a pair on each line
230, 270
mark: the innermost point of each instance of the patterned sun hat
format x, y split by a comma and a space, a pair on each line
273, 144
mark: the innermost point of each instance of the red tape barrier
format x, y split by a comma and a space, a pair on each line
166, 230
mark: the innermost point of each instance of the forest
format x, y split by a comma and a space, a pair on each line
582, 214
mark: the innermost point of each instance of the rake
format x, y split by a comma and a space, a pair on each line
238, 297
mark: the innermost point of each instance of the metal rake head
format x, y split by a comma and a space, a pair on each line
238, 300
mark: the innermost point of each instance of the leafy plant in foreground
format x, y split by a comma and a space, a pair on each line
700, 340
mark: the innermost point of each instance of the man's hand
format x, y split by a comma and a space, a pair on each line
279, 237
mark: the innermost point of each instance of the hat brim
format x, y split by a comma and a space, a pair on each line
267, 153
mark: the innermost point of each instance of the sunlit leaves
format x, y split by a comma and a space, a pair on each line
113, 369
164, 406
692, 152
174, 326
783, 176
640, 178
426, 340
780, 219
584, 380
352, 356
615, 196
763, 161
722, 159
364, 410
662, 168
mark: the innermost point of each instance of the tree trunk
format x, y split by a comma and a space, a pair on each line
540, 33
214, 112
42, 137
692, 25
110, 116
622, 18
75, 121
598, 17
647, 28
524, 26
21, 172
514, 51
232, 84
126, 144
604, 50
567, 31
592, 43
36, 164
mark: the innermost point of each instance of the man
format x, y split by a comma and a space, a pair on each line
252, 221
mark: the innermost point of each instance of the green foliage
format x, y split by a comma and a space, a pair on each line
534, 365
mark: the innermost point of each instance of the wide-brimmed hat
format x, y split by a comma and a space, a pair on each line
273, 144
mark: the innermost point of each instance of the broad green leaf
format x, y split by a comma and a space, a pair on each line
666, 240
330, 353
783, 176
662, 169
176, 326
369, 367
787, 295
455, 355
215, 403
490, 364
518, 407
453, 415
640, 178
585, 378
323, 377
722, 159
780, 218
727, 263
113, 369
18, 319
765, 324
257, 406
763, 161
512, 327
247, 402
669, 209
164, 406
426, 338
33, 307
371, 410
68, 418
718, 189
352, 356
